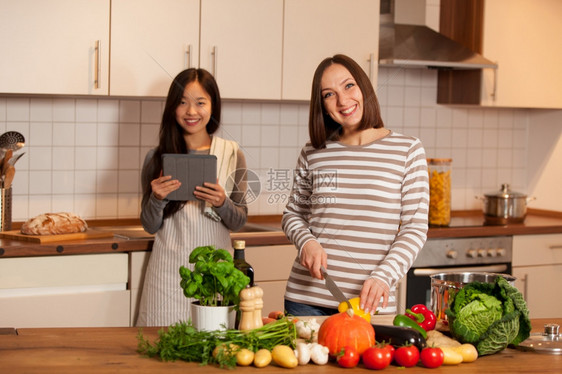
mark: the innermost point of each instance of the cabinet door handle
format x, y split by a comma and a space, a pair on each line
425, 272
556, 246
214, 54
97, 65
525, 281
495, 88
371, 61
188, 57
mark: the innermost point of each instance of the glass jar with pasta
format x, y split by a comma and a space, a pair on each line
439, 191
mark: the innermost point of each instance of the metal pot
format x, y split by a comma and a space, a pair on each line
444, 285
505, 206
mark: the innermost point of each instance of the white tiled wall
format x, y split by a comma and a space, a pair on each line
84, 154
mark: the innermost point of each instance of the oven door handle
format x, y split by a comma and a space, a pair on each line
487, 268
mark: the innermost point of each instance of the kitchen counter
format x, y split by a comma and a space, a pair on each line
265, 230
471, 223
111, 350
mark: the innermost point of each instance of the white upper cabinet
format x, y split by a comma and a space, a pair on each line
523, 37
257, 49
316, 29
54, 47
241, 45
151, 42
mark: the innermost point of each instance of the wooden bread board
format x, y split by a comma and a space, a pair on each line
88, 234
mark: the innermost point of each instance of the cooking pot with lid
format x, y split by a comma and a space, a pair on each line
505, 206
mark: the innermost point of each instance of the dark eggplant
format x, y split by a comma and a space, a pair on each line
399, 336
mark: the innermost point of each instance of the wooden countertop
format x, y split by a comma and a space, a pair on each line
113, 350
471, 224
130, 237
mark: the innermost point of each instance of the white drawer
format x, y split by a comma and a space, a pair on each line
63, 271
537, 249
87, 309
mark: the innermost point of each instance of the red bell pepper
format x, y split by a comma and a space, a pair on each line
423, 316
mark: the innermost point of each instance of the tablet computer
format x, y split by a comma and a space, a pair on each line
191, 170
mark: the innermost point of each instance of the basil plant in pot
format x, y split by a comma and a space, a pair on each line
215, 284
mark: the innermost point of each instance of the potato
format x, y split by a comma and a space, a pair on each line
438, 339
262, 358
224, 349
244, 357
451, 356
468, 352
284, 356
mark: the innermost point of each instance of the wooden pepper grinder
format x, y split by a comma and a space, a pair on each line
258, 306
247, 308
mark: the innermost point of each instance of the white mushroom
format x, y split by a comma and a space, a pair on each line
302, 352
308, 330
319, 354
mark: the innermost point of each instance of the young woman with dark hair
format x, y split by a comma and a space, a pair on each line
360, 197
191, 116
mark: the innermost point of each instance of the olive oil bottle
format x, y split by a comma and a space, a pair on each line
240, 262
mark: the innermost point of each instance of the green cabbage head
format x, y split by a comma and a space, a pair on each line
489, 315
477, 316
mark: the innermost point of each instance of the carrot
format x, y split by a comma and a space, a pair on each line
276, 314
267, 320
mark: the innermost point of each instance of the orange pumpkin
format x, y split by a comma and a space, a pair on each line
343, 329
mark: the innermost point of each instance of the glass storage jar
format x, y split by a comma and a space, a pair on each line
439, 191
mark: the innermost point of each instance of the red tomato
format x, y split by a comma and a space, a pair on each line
407, 356
389, 348
377, 357
432, 357
348, 357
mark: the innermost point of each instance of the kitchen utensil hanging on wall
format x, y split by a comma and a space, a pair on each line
12, 140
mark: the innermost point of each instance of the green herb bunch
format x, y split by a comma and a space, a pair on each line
214, 280
182, 341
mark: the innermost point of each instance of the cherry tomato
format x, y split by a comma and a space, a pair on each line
377, 357
432, 357
407, 356
348, 357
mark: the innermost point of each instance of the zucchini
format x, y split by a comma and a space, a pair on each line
399, 336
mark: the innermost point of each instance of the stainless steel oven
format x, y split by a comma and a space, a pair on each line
478, 254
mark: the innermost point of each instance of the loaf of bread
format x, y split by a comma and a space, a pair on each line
54, 224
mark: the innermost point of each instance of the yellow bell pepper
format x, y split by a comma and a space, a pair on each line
356, 309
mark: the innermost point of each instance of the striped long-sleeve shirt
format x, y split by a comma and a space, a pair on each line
367, 206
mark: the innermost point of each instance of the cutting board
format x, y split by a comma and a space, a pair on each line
88, 234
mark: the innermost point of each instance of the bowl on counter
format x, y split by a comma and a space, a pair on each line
445, 285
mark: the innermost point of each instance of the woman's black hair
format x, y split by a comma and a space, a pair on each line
171, 135
321, 126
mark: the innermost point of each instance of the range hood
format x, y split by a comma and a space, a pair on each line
418, 46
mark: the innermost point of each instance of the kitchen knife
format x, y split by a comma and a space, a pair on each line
333, 288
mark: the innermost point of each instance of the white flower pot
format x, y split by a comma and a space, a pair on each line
212, 318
